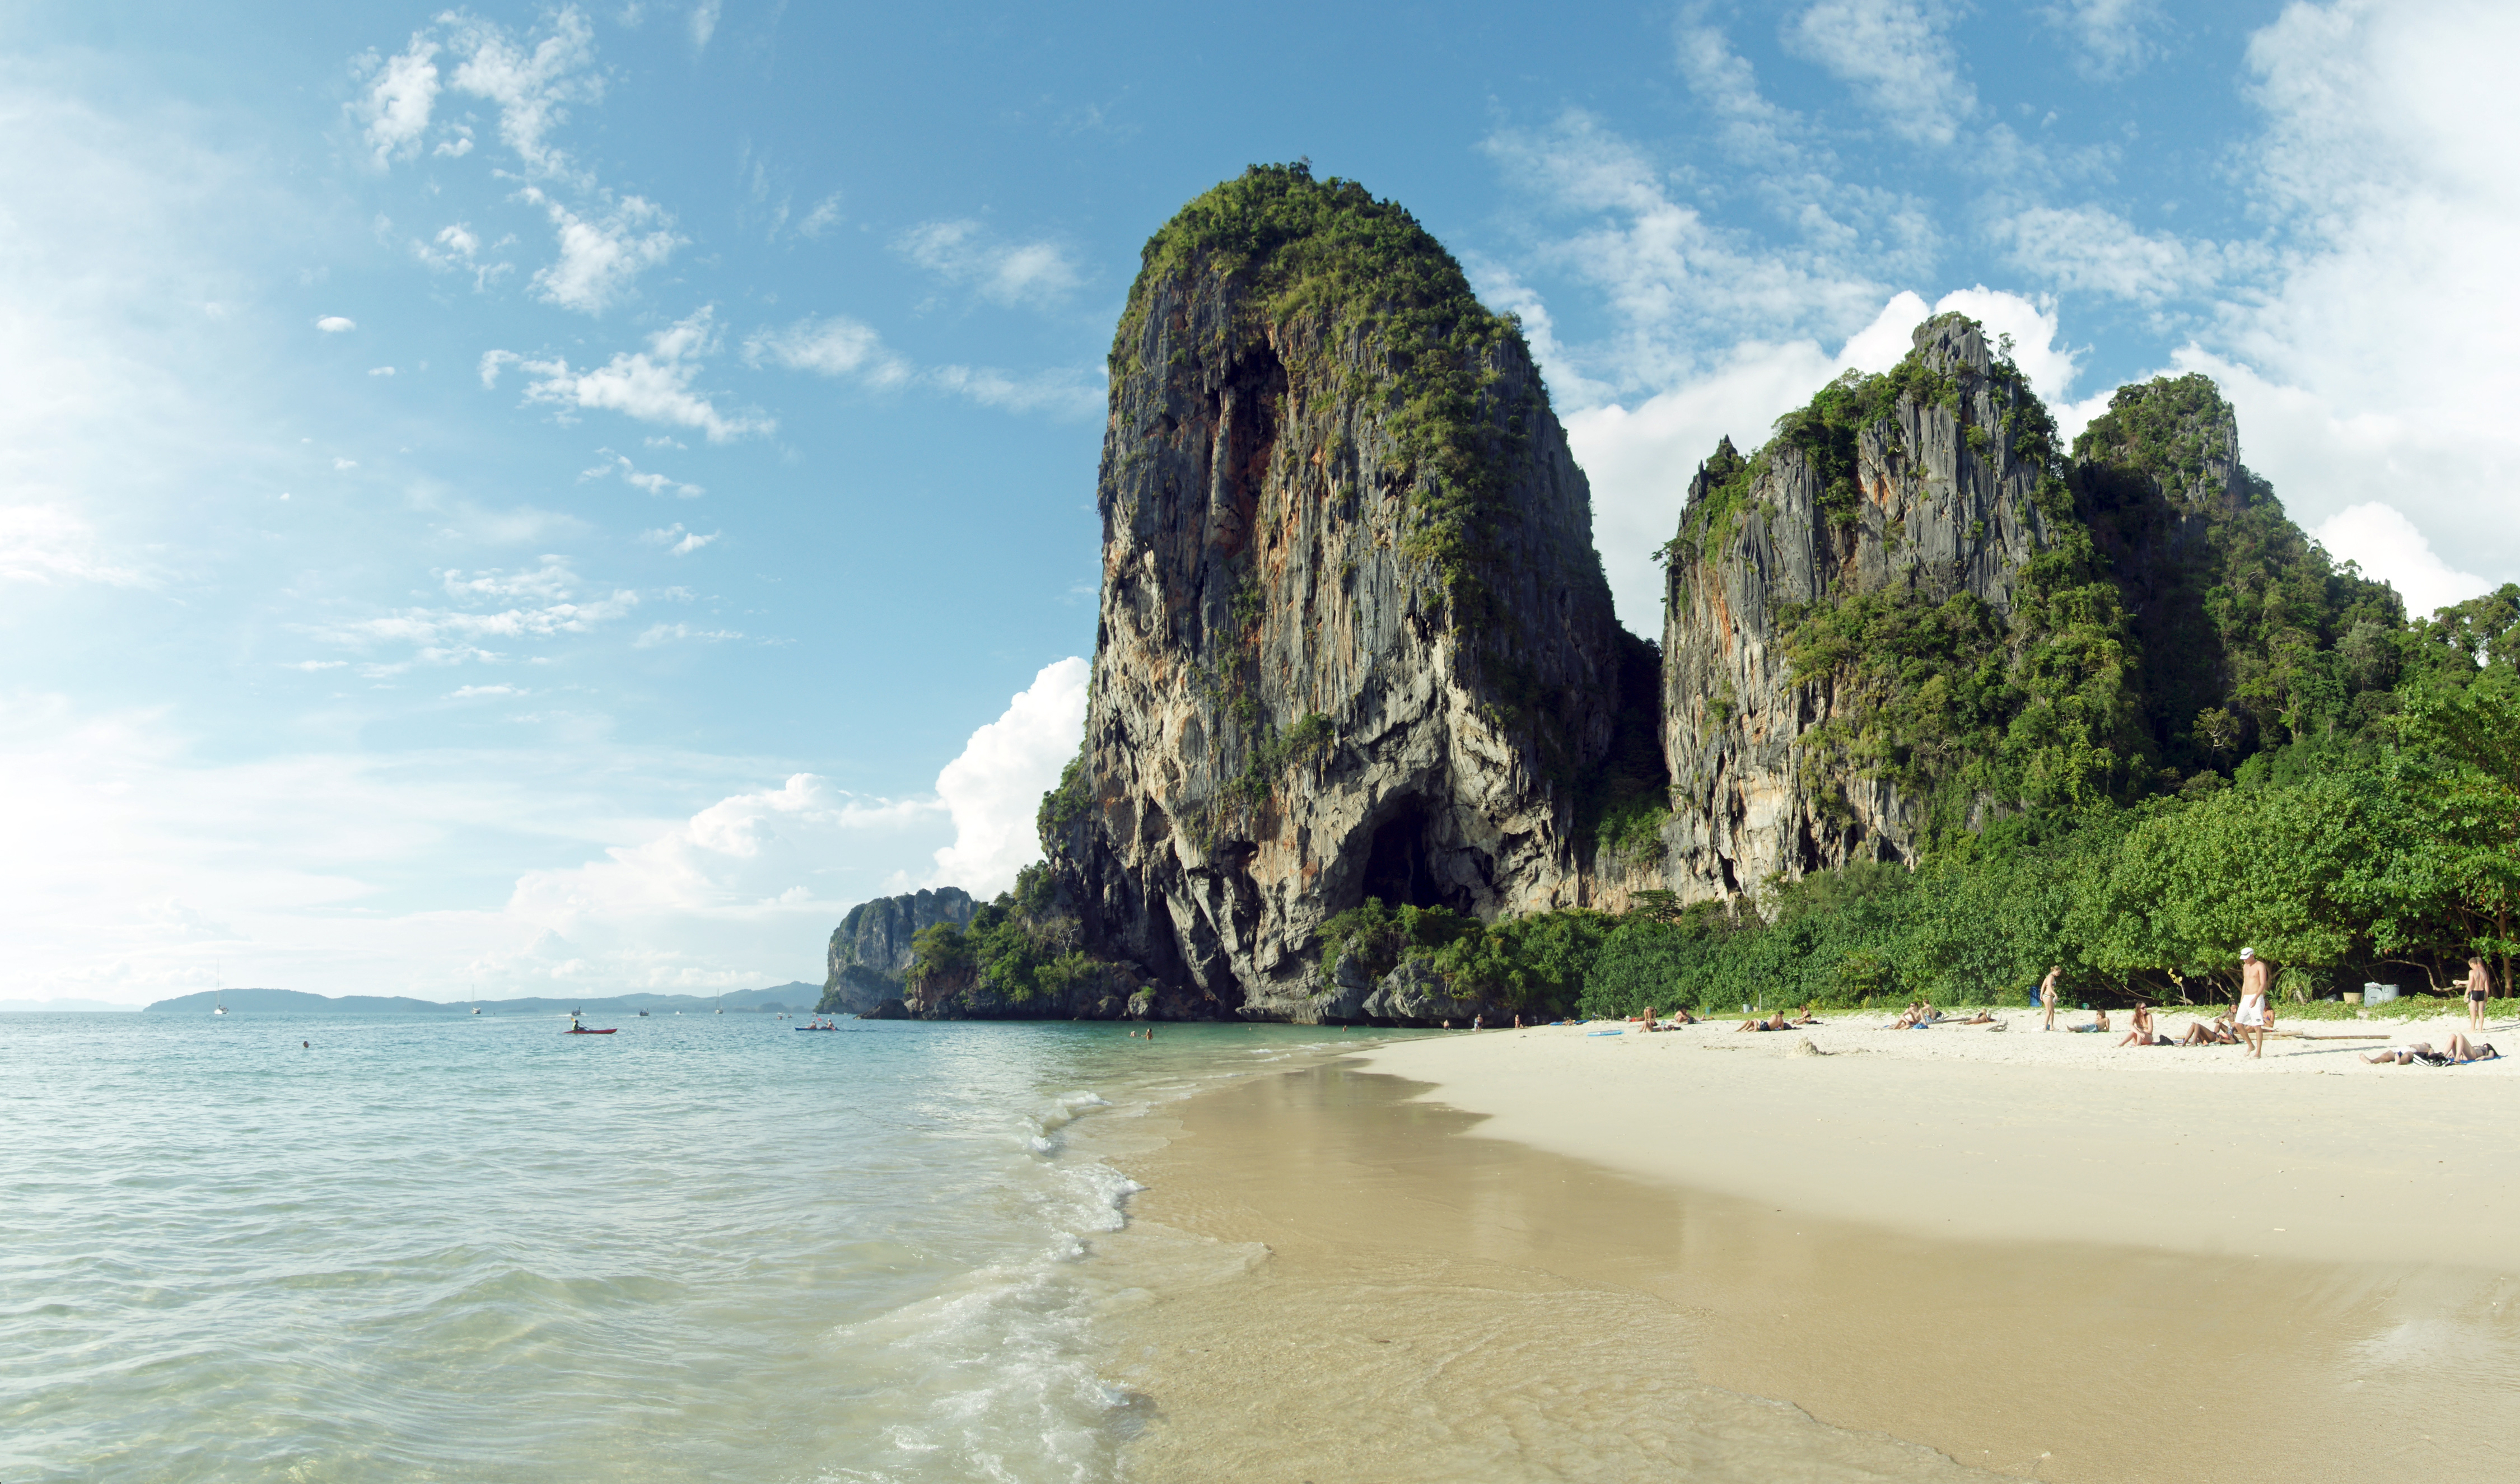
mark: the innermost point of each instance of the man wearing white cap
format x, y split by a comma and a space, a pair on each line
2256, 1006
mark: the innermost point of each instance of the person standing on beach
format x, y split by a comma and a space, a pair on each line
2048, 997
2479, 988
2256, 1006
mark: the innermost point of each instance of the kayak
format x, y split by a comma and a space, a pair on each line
580, 1030
813, 1027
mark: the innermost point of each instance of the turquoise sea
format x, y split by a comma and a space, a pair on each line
704, 1248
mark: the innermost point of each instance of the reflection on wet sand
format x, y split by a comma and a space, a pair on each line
1326, 1281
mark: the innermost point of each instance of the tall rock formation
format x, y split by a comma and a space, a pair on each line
1354, 637
1902, 492
2250, 634
870, 953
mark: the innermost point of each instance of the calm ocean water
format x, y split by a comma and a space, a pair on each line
707, 1247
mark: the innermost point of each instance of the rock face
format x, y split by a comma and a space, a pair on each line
1354, 637
1932, 492
870, 950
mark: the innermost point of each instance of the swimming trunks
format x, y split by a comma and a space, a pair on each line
2476, 995
2253, 1010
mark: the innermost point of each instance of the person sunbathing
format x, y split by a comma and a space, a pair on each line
2462, 1050
2099, 1024
2410, 1051
2142, 1033
2214, 1032
1776, 1021
1980, 1018
1680, 1016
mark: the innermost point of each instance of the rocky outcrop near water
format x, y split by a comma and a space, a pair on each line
1354, 637
871, 949
1913, 490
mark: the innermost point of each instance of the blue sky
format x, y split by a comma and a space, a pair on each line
531, 496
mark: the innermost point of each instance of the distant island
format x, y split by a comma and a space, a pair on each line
777, 999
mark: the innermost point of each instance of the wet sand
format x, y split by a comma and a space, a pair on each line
1334, 1275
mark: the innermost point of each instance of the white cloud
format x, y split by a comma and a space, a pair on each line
2094, 249
654, 385
133, 861
2386, 544
2366, 363
532, 86
334, 324
631, 475
1894, 56
398, 103
2109, 35
994, 789
835, 346
704, 23
312, 665
1671, 281
472, 692
49, 544
677, 541
843, 347
678, 633
552, 580
599, 259
823, 218
1068, 393
381, 370
1009, 273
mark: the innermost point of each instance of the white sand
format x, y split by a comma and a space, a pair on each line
2024, 1135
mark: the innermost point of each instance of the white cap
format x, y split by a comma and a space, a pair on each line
2247, 953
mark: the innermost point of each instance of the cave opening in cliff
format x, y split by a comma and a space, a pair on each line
1397, 867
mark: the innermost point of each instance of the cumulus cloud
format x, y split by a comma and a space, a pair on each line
334, 324
396, 105
1008, 273
654, 385
994, 789
704, 23
2360, 360
1894, 56
2386, 544
599, 257
531, 84
472, 692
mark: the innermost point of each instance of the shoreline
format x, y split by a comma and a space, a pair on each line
1497, 1256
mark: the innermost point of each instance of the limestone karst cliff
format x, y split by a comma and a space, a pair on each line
871, 949
1910, 613
1917, 491
1364, 738
1354, 637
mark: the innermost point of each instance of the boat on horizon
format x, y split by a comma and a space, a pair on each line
219, 995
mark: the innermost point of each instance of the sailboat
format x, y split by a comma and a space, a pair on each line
721, 1002
219, 996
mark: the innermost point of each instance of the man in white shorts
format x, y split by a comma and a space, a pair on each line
2256, 1006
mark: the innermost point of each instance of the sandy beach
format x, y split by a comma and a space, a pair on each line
1551, 1254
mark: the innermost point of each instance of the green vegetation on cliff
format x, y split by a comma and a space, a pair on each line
1394, 321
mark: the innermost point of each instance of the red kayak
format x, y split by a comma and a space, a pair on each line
580, 1030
